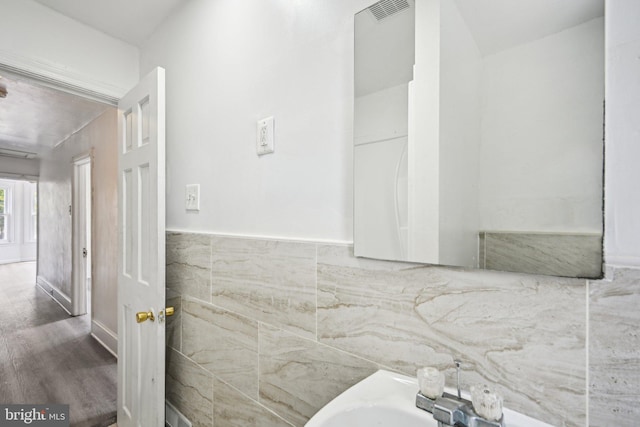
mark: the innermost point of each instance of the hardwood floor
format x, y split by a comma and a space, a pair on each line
46, 356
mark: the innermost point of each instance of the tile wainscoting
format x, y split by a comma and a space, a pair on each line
555, 254
267, 332
614, 349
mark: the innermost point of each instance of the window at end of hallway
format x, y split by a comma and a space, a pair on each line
32, 235
5, 213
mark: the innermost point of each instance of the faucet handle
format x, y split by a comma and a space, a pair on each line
458, 363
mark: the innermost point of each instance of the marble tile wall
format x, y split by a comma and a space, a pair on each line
270, 331
614, 349
557, 254
269, 281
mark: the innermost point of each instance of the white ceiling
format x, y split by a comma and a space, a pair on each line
384, 50
35, 118
500, 24
130, 20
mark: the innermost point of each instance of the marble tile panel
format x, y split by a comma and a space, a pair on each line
299, 376
233, 409
568, 255
224, 343
524, 333
173, 332
190, 389
270, 281
189, 264
614, 350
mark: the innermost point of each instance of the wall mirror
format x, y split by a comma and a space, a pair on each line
478, 134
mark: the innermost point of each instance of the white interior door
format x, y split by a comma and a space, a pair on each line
141, 249
87, 248
81, 244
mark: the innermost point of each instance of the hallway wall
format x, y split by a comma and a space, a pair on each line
54, 258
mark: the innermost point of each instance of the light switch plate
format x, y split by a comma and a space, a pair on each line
192, 202
265, 136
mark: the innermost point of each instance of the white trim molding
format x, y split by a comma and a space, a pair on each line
105, 336
60, 78
55, 293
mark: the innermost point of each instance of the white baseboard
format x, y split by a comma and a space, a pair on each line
105, 336
55, 293
17, 260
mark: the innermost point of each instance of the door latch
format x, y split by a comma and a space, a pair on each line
165, 313
150, 315
84, 252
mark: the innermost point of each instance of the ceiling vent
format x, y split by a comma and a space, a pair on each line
16, 154
385, 8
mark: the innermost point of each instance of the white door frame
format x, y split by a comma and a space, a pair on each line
81, 229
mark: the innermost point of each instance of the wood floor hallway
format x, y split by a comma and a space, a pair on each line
46, 356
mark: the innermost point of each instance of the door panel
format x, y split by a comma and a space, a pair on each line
81, 234
141, 271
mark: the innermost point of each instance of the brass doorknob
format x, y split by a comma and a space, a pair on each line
141, 316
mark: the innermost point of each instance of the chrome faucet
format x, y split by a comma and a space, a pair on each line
451, 410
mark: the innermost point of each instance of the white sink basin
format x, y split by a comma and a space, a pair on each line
387, 399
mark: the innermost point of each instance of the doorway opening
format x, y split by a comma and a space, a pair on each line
68, 144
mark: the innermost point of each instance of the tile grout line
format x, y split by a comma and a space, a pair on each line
316, 279
587, 349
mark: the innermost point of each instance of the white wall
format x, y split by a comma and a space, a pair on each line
622, 175
424, 157
460, 65
538, 123
230, 63
54, 223
102, 137
38, 39
54, 257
